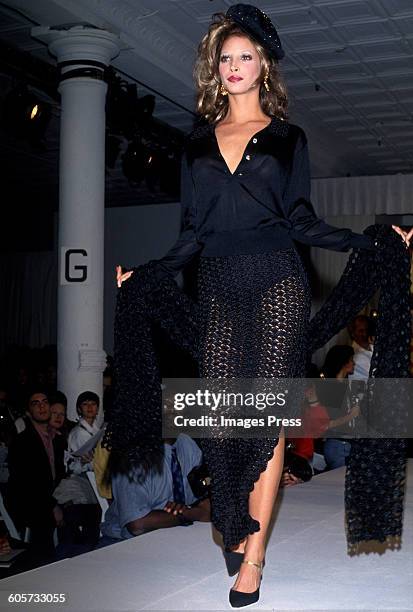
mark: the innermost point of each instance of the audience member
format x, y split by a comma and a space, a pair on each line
36, 466
58, 411
334, 397
360, 333
157, 497
87, 406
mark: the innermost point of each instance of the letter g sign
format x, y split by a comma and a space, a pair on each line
75, 266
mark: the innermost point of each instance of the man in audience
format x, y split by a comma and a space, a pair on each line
157, 498
36, 466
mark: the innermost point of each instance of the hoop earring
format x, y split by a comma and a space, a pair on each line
223, 91
267, 87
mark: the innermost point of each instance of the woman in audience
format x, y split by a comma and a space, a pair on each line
328, 405
58, 410
87, 406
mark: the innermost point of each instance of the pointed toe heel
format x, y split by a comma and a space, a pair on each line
239, 599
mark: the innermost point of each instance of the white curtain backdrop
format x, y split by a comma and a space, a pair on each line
363, 195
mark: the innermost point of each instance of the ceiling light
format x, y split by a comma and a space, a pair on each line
25, 115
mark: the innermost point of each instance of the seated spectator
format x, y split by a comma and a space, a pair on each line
36, 466
87, 406
58, 411
82, 512
57, 416
159, 497
362, 342
333, 398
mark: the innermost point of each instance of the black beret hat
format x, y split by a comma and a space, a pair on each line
86, 396
259, 26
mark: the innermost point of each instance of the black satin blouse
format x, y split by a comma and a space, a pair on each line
263, 205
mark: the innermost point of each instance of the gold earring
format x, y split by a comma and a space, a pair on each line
223, 91
267, 87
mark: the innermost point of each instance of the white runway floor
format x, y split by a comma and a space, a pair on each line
307, 566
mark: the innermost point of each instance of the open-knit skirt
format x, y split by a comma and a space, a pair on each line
253, 312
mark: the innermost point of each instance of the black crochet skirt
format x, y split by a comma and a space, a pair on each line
253, 315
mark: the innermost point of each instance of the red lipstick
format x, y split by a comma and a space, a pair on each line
234, 78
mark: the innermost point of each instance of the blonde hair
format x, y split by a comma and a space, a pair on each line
211, 104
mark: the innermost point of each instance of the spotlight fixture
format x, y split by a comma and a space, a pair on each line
25, 115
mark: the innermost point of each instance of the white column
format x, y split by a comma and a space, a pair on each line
82, 54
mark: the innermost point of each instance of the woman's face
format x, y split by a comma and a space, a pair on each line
239, 65
57, 415
89, 409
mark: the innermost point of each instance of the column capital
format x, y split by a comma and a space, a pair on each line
79, 43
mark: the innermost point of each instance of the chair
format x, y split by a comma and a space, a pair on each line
11, 528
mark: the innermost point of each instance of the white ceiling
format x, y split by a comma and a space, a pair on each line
348, 66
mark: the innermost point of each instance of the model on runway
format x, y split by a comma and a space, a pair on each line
245, 197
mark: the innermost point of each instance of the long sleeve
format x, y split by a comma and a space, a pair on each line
187, 246
306, 227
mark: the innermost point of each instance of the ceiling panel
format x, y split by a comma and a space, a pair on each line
299, 19
405, 25
310, 41
384, 49
367, 31
349, 12
399, 8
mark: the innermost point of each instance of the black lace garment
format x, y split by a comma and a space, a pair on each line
253, 315
376, 473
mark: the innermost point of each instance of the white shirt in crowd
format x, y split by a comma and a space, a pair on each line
362, 361
79, 435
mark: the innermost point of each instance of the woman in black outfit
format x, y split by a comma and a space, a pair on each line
245, 197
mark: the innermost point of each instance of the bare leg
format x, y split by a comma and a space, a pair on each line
261, 503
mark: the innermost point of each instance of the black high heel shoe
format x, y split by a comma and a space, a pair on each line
233, 561
239, 599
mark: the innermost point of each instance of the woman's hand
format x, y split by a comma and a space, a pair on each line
122, 277
406, 236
